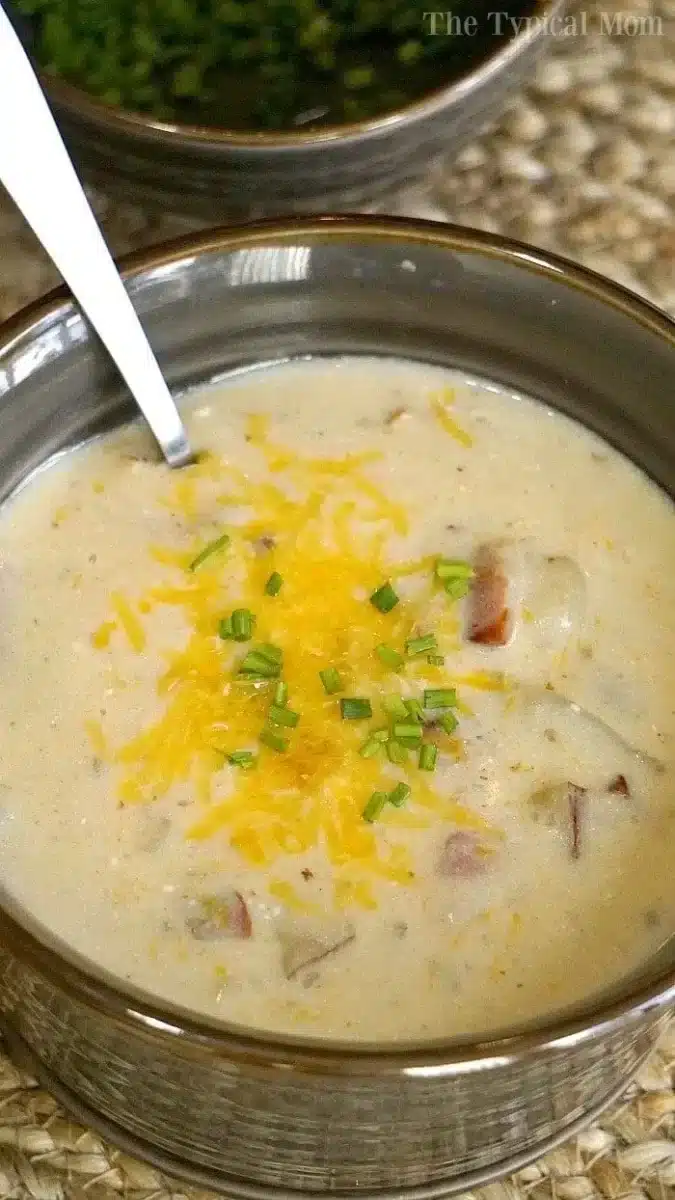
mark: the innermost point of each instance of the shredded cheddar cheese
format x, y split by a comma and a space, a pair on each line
483, 681
348, 893
61, 514
97, 738
288, 896
327, 524
440, 405
129, 622
100, 638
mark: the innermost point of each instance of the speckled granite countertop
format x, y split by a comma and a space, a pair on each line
583, 164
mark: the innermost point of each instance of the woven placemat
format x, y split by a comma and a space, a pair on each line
583, 164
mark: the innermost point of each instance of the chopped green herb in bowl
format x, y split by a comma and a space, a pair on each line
259, 64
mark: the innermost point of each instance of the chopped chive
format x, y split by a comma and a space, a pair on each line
396, 753
395, 707
243, 622
242, 758
370, 748
355, 709
421, 645
274, 584
374, 806
210, 549
258, 666
283, 716
389, 657
255, 661
408, 733
272, 653
275, 741
330, 678
281, 694
453, 568
457, 588
399, 795
440, 698
254, 668
225, 630
435, 660
448, 722
428, 756
414, 710
384, 598
380, 735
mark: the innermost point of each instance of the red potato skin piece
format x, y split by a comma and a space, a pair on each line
230, 917
619, 786
242, 925
489, 617
315, 953
575, 797
460, 857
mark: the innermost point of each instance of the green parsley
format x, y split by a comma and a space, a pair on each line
371, 747
453, 568
275, 741
440, 698
428, 756
394, 706
374, 806
283, 716
355, 709
396, 753
456, 589
384, 598
264, 662
389, 657
243, 623
421, 645
399, 795
414, 710
274, 584
408, 734
209, 550
242, 758
330, 678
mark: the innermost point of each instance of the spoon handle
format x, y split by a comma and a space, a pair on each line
36, 170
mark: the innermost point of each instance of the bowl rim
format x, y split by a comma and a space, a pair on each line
128, 1006
77, 103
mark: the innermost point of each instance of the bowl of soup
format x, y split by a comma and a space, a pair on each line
337, 767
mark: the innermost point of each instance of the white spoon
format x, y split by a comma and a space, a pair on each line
37, 172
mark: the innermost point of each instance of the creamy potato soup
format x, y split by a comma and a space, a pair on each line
361, 726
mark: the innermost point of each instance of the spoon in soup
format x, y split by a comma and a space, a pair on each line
36, 170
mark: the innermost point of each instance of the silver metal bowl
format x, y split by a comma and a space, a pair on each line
225, 1106
218, 174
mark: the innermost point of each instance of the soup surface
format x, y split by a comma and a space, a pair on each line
362, 726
